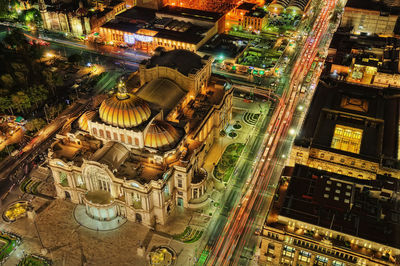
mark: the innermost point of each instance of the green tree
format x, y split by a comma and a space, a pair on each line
37, 94
21, 101
5, 104
75, 58
35, 124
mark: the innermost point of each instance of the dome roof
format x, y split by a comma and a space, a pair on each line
124, 110
161, 135
83, 120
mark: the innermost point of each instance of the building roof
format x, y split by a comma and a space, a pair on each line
137, 14
124, 110
161, 135
361, 208
113, 154
193, 35
377, 121
374, 5
162, 92
191, 13
246, 6
122, 26
83, 120
256, 13
183, 60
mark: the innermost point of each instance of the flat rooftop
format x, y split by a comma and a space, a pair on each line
365, 108
190, 13
246, 6
368, 209
223, 44
375, 6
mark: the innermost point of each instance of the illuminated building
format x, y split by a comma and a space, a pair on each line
371, 17
289, 6
170, 27
322, 218
78, 21
140, 155
235, 16
352, 130
255, 19
369, 60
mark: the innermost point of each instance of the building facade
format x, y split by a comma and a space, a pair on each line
140, 155
321, 218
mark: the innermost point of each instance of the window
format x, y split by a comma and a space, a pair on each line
108, 134
332, 158
130, 140
122, 136
104, 185
63, 179
180, 183
347, 139
299, 154
304, 256
136, 141
94, 130
136, 200
115, 136
320, 260
288, 251
338, 263
101, 133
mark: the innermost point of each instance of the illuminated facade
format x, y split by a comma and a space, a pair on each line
321, 218
170, 27
350, 130
140, 155
369, 21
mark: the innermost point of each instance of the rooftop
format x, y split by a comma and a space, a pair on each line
246, 6
364, 108
184, 61
256, 13
137, 14
368, 209
374, 5
191, 13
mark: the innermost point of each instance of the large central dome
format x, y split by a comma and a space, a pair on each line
124, 110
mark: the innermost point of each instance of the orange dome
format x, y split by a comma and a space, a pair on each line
83, 120
161, 135
124, 110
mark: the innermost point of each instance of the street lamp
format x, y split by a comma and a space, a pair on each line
292, 131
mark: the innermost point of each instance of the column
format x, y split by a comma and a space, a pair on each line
296, 257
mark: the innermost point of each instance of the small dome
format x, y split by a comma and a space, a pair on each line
83, 120
161, 135
124, 110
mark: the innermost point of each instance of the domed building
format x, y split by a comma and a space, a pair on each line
140, 154
124, 110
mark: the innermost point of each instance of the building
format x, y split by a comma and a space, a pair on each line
140, 155
170, 27
350, 129
236, 15
371, 17
77, 20
321, 218
296, 7
369, 60
254, 20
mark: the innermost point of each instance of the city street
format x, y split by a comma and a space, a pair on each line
237, 242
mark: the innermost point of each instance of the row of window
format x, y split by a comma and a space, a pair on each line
324, 250
115, 136
342, 160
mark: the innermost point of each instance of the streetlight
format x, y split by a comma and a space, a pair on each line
300, 107
292, 131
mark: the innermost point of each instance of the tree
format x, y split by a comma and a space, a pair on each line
35, 124
75, 58
5, 104
37, 94
21, 101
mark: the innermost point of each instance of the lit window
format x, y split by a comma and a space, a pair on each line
347, 139
288, 251
304, 256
